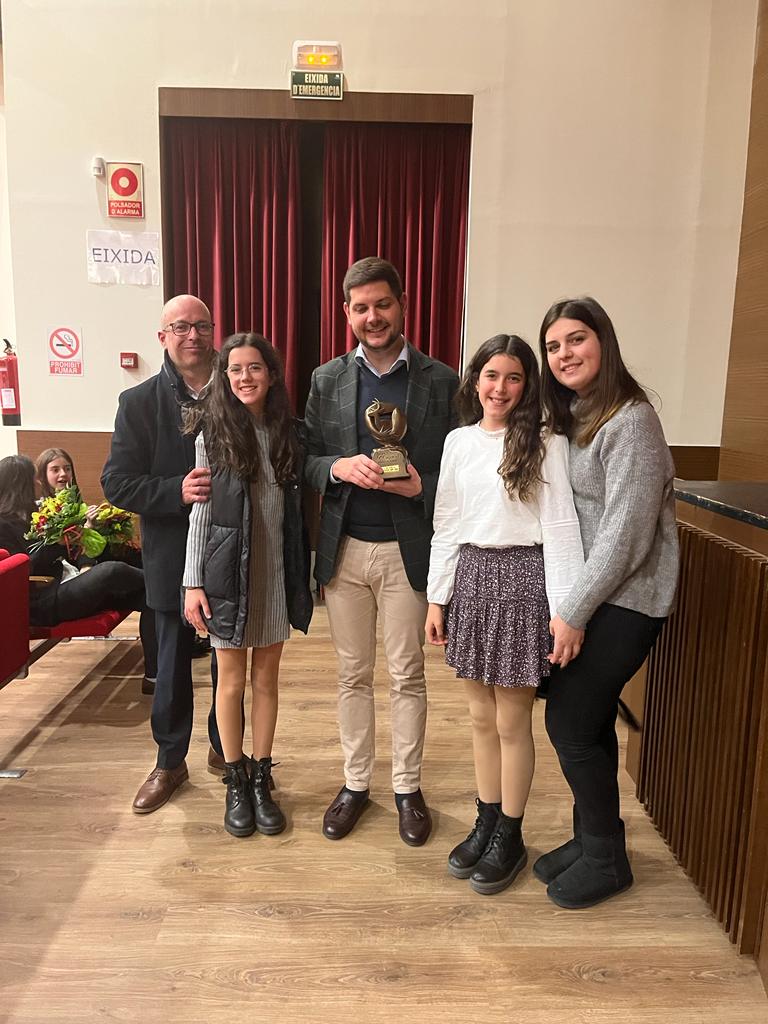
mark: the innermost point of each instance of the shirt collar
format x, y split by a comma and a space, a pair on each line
404, 357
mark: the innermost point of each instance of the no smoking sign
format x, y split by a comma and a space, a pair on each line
65, 352
125, 190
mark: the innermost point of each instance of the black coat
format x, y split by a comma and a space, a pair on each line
46, 561
147, 462
227, 557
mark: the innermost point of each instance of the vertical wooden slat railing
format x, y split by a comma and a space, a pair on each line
703, 774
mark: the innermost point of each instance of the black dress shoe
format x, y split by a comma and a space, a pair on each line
343, 813
148, 685
415, 820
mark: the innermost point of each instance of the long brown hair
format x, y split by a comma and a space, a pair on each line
230, 436
43, 461
520, 466
614, 387
17, 488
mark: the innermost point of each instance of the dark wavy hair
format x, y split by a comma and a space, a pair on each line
520, 466
614, 387
43, 461
17, 488
229, 429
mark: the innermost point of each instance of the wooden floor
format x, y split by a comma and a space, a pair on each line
108, 916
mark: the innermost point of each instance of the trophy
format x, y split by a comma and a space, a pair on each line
387, 424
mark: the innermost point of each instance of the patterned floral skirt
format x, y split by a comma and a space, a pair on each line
497, 622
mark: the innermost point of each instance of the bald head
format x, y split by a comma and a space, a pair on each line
191, 351
171, 310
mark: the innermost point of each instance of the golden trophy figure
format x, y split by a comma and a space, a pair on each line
387, 424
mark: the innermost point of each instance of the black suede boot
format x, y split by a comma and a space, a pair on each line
602, 871
238, 817
552, 864
269, 818
504, 856
463, 858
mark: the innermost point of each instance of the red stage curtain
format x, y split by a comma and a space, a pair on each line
399, 192
232, 225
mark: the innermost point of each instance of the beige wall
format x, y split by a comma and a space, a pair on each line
608, 157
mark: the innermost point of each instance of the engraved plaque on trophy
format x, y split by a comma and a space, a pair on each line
387, 424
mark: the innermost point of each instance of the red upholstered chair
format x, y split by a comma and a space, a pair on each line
14, 621
100, 624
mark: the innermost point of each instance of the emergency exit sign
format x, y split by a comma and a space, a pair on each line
317, 85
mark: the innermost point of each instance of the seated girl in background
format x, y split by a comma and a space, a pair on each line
246, 578
506, 549
105, 586
55, 471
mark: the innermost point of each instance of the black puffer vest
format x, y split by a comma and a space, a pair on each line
227, 555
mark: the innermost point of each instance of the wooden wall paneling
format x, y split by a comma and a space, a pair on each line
699, 778
89, 450
733, 794
753, 879
744, 442
704, 749
680, 697
406, 108
745, 833
695, 462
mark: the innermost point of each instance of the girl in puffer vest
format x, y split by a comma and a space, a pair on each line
246, 579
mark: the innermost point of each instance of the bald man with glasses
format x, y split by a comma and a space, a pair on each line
150, 471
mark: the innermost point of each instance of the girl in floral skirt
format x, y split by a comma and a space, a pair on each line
506, 548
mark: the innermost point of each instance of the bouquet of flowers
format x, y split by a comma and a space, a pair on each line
115, 525
61, 520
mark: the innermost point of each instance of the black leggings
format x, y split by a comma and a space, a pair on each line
581, 711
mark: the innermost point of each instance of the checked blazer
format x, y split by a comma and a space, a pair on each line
331, 433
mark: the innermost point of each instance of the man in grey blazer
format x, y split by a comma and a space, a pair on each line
373, 546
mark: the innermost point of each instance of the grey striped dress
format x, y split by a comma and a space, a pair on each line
267, 608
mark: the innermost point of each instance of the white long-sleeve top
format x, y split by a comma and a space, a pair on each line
473, 507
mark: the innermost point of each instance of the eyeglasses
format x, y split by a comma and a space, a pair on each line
181, 327
239, 371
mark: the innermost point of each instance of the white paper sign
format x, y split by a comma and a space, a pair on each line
122, 257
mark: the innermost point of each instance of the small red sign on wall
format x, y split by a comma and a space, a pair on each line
125, 190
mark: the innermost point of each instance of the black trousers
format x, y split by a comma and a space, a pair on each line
109, 585
173, 703
581, 711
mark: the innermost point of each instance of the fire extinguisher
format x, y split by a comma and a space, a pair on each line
10, 401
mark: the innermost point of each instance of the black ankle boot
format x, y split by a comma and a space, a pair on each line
463, 858
554, 863
269, 818
504, 856
238, 817
602, 871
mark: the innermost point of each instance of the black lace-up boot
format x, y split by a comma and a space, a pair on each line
269, 818
463, 858
238, 817
504, 856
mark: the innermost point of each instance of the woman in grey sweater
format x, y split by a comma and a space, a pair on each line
622, 477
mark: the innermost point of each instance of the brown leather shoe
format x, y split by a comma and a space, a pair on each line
216, 762
415, 819
343, 813
160, 786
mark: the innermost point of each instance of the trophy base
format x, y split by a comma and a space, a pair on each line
393, 462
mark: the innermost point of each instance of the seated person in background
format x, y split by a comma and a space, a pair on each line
55, 470
105, 586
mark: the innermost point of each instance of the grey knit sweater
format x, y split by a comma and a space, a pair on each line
622, 489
